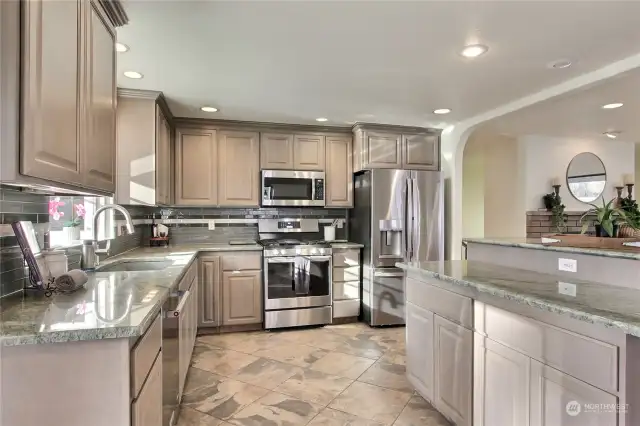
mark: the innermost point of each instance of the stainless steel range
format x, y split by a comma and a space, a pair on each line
297, 273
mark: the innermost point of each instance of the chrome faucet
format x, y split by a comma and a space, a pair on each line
90, 248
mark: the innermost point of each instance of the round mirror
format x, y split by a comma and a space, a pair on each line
586, 177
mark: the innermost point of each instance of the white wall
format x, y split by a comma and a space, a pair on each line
473, 190
492, 203
545, 158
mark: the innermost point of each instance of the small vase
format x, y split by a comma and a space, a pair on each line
72, 233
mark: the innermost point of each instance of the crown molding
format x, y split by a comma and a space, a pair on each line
140, 94
396, 129
261, 126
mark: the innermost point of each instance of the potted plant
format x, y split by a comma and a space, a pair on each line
631, 224
607, 220
553, 203
550, 200
72, 227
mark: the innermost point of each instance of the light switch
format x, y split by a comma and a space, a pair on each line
567, 265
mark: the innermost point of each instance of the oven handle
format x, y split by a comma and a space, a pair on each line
281, 260
312, 258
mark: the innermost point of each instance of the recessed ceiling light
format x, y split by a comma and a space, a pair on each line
442, 111
474, 50
560, 64
613, 105
209, 109
322, 119
612, 134
133, 74
121, 48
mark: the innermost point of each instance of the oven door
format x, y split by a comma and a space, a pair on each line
290, 188
297, 282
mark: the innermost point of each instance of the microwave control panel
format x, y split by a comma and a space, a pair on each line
319, 190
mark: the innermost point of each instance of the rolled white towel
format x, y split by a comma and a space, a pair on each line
71, 281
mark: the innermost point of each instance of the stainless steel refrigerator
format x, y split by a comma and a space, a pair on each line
398, 216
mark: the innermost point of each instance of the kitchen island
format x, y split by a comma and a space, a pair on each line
611, 266
498, 346
95, 356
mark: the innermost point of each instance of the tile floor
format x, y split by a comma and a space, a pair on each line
343, 375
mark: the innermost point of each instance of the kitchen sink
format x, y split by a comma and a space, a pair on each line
136, 265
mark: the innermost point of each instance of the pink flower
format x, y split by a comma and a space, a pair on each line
54, 204
80, 210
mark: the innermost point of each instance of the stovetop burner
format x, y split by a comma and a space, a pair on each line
289, 242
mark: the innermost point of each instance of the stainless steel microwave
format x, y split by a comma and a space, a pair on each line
292, 188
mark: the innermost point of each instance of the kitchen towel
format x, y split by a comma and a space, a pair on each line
302, 275
71, 281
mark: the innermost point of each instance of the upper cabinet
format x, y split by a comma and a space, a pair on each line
238, 169
276, 151
51, 90
196, 160
339, 172
421, 152
99, 150
308, 152
144, 149
68, 94
395, 147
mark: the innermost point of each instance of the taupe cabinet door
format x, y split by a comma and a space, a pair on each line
276, 151
100, 138
383, 150
196, 166
209, 292
453, 346
420, 152
147, 409
499, 371
420, 349
238, 169
339, 172
163, 159
308, 152
241, 297
51, 41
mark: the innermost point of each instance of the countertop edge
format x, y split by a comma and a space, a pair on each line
532, 301
550, 247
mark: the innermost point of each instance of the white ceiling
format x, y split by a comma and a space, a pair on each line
385, 61
579, 114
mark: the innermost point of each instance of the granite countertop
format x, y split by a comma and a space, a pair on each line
112, 305
607, 305
536, 243
345, 245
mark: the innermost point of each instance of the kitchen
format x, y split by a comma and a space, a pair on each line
241, 223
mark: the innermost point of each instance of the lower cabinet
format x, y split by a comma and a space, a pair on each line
209, 291
146, 410
513, 389
229, 289
558, 399
502, 383
419, 336
453, 348
241, 297
439, 362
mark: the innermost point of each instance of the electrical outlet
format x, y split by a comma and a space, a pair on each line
567, 289
567, 265
340, 223
212, 225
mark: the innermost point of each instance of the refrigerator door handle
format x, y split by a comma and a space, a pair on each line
417, 219
409, 221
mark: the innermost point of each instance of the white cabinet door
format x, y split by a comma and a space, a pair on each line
558, 399
419, 338
453, 357
501, 384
